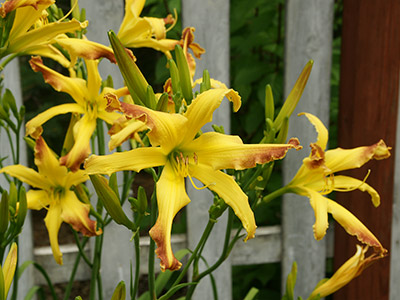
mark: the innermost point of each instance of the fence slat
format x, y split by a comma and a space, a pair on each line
368, 100
13, 83
117, 249
308, 36
211, 20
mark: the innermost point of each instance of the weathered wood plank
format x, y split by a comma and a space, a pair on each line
115, 262
266, 248
211, 20
12, 81
369, 94
308, 36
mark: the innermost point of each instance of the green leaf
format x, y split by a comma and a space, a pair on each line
32, 291
164, 277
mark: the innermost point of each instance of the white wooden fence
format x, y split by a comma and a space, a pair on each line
308, 36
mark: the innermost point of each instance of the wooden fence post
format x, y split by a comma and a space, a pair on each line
211, 20
369, 94
308, 36
25, 250
118, 251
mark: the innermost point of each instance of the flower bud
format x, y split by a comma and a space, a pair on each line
119, 292
205, 85
4, 214
294, 96
8, 269
22, 208
135, 81
110, 201
269, 103
217, 209
162, 104
184, 74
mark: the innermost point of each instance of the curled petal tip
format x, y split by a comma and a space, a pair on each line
295, 143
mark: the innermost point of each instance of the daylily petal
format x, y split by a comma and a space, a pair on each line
346, 183
33, 127
26, 175
159, 45
125, 133
75, 178
93, 78
24, 18
86, 49
43, 35
133, 9
227, 188
50, 52
166, 129
343, 159
349, 270
319, 204
10, 5
353, 226
171, 198
47, 163
133, 30
108, 117
136, 160
9, 267
75, 87
322, 139
83, 131
201, 109
37, 199
76, 214
53, 222
223, 151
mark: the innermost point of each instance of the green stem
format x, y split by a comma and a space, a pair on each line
137, 266
277, 193
100, 138
222, 258
96, 268
152, 277
80, 248
74, 269
7, 60
202, 241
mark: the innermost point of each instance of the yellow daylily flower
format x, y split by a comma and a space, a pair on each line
8, 268
53, 183
90, 103
316, 178
176, 147
32, 31
347, 272
10, 5
32, 34
137, 32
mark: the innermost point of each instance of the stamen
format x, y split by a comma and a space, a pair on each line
69, 12
174, 22
199, 188
195, 158
356, 187
330, 183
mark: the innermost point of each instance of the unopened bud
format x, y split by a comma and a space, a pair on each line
110, 201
